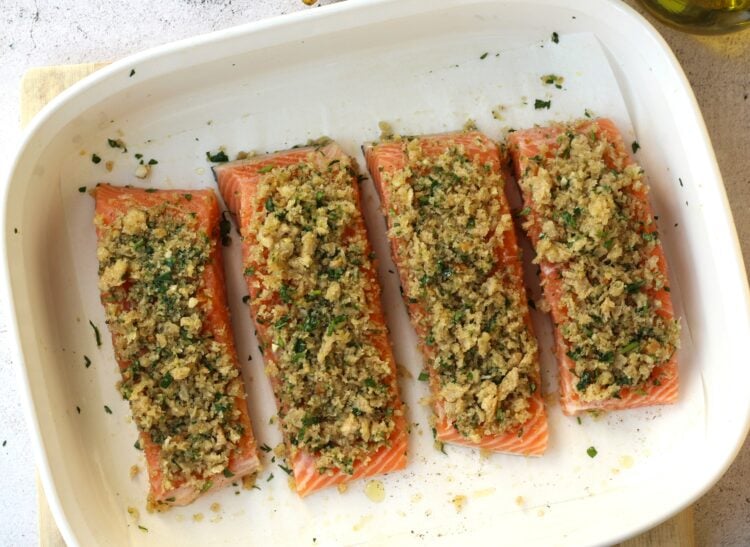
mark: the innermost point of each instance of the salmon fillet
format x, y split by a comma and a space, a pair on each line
162, 286
454, 243
316, 306
603, 268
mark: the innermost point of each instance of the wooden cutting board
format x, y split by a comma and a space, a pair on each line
39, 86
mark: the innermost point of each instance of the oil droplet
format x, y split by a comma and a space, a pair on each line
520, 501
416, 498
364, 520
375, 491
459, 502
484, 492
626, 461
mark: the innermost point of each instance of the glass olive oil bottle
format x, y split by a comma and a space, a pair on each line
702, 16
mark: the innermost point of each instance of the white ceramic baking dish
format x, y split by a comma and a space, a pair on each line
338, 71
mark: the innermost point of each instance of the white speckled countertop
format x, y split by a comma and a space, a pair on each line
46, 32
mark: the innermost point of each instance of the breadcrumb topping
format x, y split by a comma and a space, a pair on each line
180, 382
589, 202
310, 275
447, 218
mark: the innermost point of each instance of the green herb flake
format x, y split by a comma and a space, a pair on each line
95, 158
132, 73
137, 445
152, 161
82, 189
142, 528
539, 104
166, 380
635, 286
483, 56
423, 376
265, 448
266, 169
218, 157
285, 469
635, 146
227, 473
555, 38
86, 361
246, 299
591, 451
270, 478
117, 143
78, 409
630, 347
107, 409
524, 212
206, 486
578, 419
97, 334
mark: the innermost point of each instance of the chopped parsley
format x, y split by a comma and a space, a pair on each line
635, 146
591, 451
539, 104
483, 56
266, 169
117, 143
107, 409
97, 334
265, 448
423, 376
95, 158
555, 37
218, 157
86, 361
553, 79
82, 189
285, 469
132, 73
